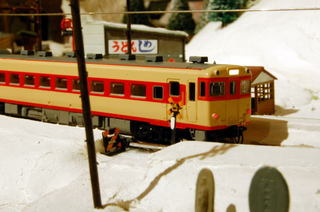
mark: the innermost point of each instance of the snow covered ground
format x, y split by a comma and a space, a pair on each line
44, 167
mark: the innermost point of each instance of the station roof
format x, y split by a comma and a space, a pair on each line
260, 75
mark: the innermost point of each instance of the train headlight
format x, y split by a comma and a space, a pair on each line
215, 115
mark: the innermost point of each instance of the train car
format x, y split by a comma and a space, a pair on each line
209, 101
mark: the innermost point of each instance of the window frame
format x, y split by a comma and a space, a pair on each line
26, 80
192, 91
154, 93
174, 88
18, 77
248, 87
49, 78
202, 89
97, 83
221, 86
112, 93
4, 78
137, 95
233, 88
64, 82
75, 81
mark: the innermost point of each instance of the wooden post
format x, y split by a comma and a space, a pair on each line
85, 102
129, 29
38, 26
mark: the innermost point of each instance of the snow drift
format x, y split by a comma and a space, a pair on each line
286, 43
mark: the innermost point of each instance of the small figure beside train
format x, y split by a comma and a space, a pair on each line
206, 101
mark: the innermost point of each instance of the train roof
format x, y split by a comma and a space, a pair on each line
183, 65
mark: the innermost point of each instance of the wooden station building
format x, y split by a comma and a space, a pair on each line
262, 91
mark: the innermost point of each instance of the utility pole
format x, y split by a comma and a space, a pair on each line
38, 26
79, 50
129, 28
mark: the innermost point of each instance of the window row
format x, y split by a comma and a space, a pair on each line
217, 89
262, 92
95, 86
118, 89
29, 80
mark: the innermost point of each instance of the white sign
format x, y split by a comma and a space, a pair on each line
137, 46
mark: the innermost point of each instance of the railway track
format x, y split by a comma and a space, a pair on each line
264, 130
147, 146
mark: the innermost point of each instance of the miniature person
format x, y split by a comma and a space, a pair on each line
112, 141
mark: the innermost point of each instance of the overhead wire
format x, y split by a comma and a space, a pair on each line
166, 11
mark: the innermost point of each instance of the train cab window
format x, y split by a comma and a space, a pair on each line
44, 82
192, 91
217, 89
97, 86
116, 88
233, 88
202, 89
14, 79
245, 86
138, 90
76, 85
29, 80
2, 78
157, 92
61, 83
174, 88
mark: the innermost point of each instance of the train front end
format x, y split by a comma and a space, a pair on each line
224, 102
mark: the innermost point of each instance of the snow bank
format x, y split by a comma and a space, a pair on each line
44, 167
286, 43
167, 178
36, 159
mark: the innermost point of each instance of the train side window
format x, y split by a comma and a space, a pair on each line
202, 89
157, 92
174, 88
97, 86
45, 82
245, 86
76, 85
232, 87
192, 91
61, 83
138, 90
116, 88
217, 89
14, 79
29, 80
2, 78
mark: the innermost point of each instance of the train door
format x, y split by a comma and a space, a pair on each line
176, 96
232, 102
191, 102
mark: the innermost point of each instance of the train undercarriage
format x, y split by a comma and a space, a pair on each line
140, 131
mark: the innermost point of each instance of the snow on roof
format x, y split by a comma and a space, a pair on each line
259, 71
139, 27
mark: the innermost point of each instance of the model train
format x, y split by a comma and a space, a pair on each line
210, 101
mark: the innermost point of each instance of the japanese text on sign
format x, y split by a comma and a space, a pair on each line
137, 46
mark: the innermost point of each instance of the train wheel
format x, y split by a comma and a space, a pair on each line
145, 132
238, 139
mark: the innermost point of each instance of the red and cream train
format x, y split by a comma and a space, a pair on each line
135, 96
